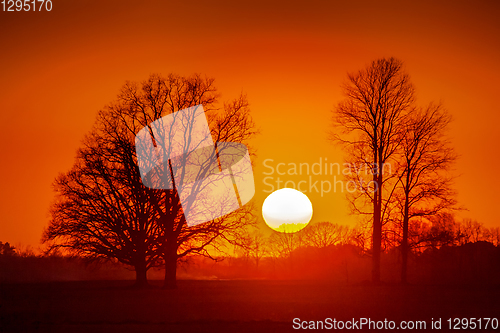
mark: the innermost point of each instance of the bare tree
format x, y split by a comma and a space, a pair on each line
371, 117
282, 244
102, 210
493, 236
426, 159
443, 231
150, 222
6, 249
254, 245
324, 234
471, 231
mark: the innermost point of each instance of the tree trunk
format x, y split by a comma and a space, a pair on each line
170, 268
377, 230
404, 243
377, 245
141, 278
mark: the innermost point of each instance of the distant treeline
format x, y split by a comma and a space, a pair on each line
24, 265
471, 263
443, 251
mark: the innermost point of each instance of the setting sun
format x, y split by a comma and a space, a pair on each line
287, 210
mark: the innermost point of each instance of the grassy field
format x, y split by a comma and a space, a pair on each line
229, 306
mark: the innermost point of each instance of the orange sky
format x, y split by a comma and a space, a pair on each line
59, 68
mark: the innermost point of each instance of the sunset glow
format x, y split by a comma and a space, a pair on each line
60, 68
249, 166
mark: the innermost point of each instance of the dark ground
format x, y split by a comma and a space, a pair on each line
230, 306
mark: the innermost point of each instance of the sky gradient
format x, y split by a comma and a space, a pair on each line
59, 68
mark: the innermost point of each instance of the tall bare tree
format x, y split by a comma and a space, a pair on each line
425, 164
370, 118
103, 197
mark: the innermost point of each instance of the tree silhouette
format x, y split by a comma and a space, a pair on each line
254, 245
442, 230
282, 244
425, 162
104, 211
370, 118
471, 231
323, 234
492, 235
6, 249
